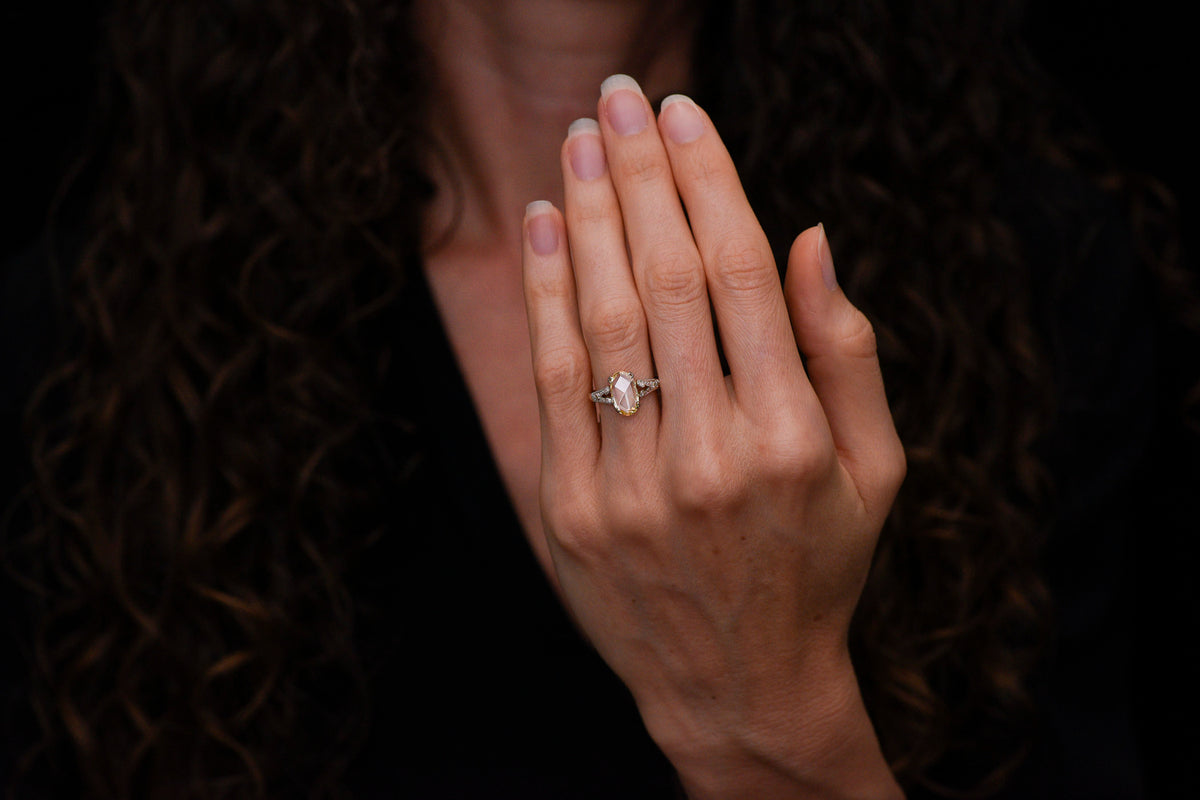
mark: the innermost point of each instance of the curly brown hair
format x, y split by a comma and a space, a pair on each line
203, 455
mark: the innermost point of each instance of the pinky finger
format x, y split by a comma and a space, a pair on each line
561, 369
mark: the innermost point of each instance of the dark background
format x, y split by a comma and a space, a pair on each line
1130, 66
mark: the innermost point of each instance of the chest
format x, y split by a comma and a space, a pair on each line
483, 314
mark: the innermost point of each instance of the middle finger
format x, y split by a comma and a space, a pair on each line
666, 264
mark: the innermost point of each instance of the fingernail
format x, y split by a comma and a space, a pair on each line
681, 119
623, 104
826, 258
585, 150
543, 233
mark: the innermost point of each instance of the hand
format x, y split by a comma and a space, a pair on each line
714, 544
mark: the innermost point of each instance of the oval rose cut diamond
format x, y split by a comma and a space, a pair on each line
624, 390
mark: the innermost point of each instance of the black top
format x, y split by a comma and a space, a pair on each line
483, 689
508, 699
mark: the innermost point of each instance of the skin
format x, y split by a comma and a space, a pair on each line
713, 545
510, 78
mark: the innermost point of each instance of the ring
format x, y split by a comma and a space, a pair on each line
624, 392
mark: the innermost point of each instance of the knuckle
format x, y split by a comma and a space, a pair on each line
626, 520
583, 543
794, 451
547, 287
855, 335
569, 515
563, 508
895, 468
674, 278
741, 264
705, 483
617, 529
886, 473
706, 174
584, 215
614, 326
558, 372
642, 167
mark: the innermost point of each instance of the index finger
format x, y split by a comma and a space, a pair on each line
663, 255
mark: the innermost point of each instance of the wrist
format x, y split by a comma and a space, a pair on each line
813, 739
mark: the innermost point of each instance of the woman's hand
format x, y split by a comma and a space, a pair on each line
714, 544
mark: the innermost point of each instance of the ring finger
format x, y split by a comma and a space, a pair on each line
610, 310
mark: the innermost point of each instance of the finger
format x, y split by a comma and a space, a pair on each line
561, 370
839, 344
666, 265
743, 280
610, 311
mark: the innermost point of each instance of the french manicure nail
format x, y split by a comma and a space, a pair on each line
623, 104
585, 150
681, 119
543, 233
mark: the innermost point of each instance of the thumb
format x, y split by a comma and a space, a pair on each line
838, 343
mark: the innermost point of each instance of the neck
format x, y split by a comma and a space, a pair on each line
509, 77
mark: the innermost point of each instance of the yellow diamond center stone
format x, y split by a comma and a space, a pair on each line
624, 390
